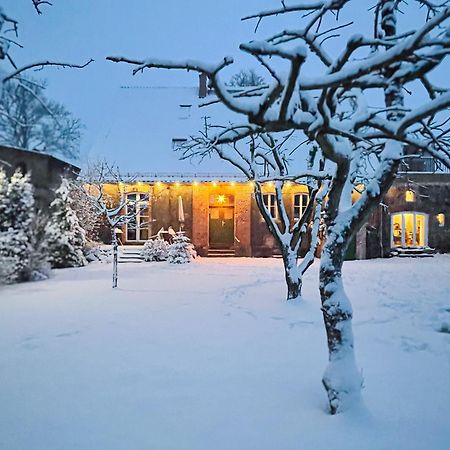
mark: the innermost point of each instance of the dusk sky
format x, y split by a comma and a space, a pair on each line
75, 31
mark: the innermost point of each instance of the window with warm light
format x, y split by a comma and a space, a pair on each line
137, 206
409, 229
410, 196
441, 219
300, 204
271, 204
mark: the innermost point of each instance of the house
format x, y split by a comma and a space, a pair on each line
45, 171
414, 217
218, 212
218, 208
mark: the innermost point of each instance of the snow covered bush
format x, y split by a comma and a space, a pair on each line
155, 250
65, 238
94, 252
16, 217
181, 251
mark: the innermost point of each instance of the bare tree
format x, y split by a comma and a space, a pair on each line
337, 110
262, 159
9, 33
246, 78
29, 120
115, 212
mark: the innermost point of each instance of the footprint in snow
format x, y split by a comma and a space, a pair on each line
411, 345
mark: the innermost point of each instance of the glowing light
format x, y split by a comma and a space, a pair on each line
214, 183
251, 183
177, 184
195, 183
221, 199
441, 219
233, 183
410, 196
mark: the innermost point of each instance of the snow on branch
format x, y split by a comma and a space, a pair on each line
40, 65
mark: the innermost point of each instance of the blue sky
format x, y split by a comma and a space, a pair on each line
77, 30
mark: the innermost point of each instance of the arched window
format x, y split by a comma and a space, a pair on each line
409, 229
441, 219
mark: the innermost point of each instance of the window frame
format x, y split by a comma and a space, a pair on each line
271, 204
403, 229
142, 220
299, 208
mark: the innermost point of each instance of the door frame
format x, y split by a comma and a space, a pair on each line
415, 214
226, 246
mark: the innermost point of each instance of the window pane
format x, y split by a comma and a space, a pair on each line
227, 213
397, 230
131, 234
420, 230
409, 229
143, 232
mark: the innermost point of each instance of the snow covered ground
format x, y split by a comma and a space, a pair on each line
209, 356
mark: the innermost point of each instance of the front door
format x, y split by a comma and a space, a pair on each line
221, 226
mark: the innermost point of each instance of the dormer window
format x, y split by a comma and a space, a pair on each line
178, 142
185, 111
410, 196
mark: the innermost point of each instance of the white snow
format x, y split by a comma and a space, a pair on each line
209, 355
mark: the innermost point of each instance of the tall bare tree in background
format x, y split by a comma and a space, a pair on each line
339, 110
29, 120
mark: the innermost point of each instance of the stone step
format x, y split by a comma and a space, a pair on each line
220, 253
421, 252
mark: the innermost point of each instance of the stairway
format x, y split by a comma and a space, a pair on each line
422, 252
130, 254
221, 253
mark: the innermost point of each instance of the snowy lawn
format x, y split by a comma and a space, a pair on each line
209, 356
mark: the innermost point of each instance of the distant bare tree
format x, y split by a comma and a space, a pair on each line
29, 120
246, 78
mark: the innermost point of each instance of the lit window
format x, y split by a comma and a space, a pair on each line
409, 229
441, 219
137, 208
270, 202
300, 204
410, 196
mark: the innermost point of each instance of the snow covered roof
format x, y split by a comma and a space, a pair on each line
143, 124
182, 177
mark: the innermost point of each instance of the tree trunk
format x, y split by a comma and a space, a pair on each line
292, 274
342, 380
115, 258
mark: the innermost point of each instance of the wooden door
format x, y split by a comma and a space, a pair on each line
221, 226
